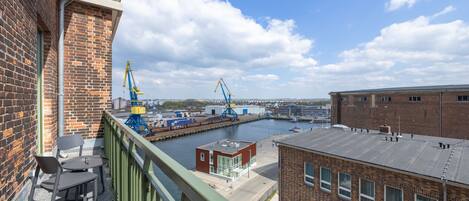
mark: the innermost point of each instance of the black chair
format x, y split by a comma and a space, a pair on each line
70, 142
61, 180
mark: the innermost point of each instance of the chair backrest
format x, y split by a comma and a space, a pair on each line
48, 164
70, 142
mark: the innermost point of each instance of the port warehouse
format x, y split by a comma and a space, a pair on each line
239, 109
340, 164
228, 159
429, 110
304, 110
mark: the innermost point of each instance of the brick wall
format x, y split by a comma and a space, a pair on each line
19, 21
412, 117
202, 166
293, 188
88, 63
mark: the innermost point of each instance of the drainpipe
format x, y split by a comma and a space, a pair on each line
60, 111
445, 195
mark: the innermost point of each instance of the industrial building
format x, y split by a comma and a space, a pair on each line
120, 103
239, 109
303, 110
428, 110
341, 164
226, 158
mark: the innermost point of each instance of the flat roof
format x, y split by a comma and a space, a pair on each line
421, 155
435, 88
226, 146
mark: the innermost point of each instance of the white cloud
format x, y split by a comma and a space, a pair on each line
261, 77
446, 10
414, 52
208, 33
393, 5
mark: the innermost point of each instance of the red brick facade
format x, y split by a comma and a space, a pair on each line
88, 68
88, 43
293, 188
443, 116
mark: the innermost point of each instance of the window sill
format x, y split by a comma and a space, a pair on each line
325, 190
343, 197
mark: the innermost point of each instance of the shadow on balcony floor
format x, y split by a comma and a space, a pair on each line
43, 195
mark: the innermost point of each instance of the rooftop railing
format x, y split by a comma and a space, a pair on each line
131, 160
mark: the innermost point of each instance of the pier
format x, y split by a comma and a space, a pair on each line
164, 135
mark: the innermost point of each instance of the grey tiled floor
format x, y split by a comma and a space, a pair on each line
41, 194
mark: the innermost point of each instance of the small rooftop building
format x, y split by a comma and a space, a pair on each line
226, 158
337, 164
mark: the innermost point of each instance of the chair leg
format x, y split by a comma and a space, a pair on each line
33, 183
66, 194
101, 173
95, 190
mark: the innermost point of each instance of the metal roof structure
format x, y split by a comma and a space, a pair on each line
436, 88
226, 146
420, 155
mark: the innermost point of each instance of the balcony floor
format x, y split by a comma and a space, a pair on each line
41, 194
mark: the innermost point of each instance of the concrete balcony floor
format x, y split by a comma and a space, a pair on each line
42, 194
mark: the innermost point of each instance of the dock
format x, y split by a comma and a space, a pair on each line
164, 135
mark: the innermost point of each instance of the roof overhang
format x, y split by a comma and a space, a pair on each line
114, 5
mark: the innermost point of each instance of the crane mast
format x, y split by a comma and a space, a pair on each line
228, 112
135, 120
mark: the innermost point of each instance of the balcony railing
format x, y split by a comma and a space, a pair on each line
131, 161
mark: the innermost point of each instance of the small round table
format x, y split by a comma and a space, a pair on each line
83, 163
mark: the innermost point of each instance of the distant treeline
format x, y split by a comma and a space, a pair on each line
184, 104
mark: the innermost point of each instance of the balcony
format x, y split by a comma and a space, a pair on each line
130, 169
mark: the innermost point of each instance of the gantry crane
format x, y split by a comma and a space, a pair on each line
229, 112
135, 120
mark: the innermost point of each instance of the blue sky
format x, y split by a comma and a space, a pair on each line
296, 49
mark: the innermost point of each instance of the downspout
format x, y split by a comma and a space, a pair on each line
445, 195
60, 129
441, 114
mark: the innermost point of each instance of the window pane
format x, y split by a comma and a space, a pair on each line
344, 193
309, 179
421, 198
326, 186
364, 199
367, 188
393, 194
309, 169
345, 180
326, 174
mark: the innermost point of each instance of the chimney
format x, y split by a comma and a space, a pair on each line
390, 139
411, 136
447, 146
367, 130
441, 144
386, 138
397, 139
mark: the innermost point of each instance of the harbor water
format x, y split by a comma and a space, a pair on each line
182, 149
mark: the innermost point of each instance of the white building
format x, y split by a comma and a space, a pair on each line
239, 109
119, 103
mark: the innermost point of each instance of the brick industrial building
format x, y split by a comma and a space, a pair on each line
226, 158
431, 110
30, 88
338, 164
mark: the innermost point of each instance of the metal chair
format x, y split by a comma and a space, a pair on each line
69, 142
73, 141
61, 180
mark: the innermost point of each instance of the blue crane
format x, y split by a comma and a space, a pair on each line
229, 112
135, 120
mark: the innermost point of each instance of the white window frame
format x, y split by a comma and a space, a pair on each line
385, 186
343, 188
360, 190
416, 194
308, 176
202, 156
323, 181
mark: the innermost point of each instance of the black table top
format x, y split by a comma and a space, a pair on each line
82, 163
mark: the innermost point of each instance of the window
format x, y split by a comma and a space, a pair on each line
363, 99
463, 98
345, 185
309, 173
393, 194
325, 179
202, 156
367, 190
422, 198
211, 157
415, 98
385, 99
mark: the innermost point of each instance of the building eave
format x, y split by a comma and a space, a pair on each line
115, 6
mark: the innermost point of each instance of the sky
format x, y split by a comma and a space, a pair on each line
289, 49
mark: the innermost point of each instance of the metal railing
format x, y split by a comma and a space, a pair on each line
132, 173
